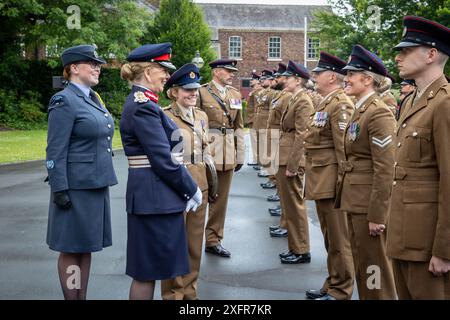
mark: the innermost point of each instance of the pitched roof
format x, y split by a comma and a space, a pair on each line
258, 17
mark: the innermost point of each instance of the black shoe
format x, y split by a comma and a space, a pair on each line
286, 254
326, 297
257, 167
273, 198
279, 233
252, 164
297, 258
271, 228
276, 208
268, 185
218, 250
275, 213
315, 294
263, 174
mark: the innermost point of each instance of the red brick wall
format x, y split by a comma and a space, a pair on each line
255, 50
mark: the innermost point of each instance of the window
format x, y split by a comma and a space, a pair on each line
313, 48
274, 48
245, 83
235, 47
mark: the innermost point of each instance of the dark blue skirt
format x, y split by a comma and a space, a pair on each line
157, 247
85, 227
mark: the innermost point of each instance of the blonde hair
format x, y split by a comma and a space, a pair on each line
385, 85
132, 71
170, 94
377, 79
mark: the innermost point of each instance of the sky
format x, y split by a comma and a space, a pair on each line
298, 2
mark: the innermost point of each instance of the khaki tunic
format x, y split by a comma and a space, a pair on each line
250, 110
419, 224
388, 98
325, 145
263, 101
195, 146
227, 149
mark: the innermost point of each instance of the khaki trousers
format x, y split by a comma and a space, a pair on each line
333, 223
374, 275
218, 209
414, 281
185, 287
294, 209
253, 146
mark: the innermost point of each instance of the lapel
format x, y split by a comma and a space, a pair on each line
357, 115
290, 104
429, 93
217, 93
88, 100
176, 110
327, 100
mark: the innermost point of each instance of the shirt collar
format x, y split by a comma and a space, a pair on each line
329, 95
86, 90
219, 87
187, 112
361, 101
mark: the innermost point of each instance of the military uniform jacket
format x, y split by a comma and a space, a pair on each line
388, 98
293, 128
195, 141
226, 149
419, 224
325, 144
365, 176
145, 129
250, 110
79, 141
263, 101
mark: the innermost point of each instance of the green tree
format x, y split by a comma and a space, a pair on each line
181, 22
351, 23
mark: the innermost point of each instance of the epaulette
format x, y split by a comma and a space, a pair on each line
231, 87
204, 85
166, 108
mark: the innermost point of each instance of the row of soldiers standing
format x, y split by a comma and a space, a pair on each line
379, 185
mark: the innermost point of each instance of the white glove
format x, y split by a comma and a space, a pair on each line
195, 201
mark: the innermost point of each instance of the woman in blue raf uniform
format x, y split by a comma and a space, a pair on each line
160, 188
80, 170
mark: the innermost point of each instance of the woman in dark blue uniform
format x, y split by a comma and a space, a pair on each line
159, 187
80, 170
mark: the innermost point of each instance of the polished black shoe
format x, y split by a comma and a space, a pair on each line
268, 185
263, 174
276, 208
257, 167
326, 297
271, 228
297, 258
315, 294
279, 233
286, 254
273, 198
218, 250
252, 164
275, 213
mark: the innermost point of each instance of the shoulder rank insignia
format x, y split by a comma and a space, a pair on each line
353, 131
382, 142
140, 97
320, 119
56, 100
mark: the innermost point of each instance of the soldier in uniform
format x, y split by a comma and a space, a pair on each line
80, 168
251, 112
193, 123
384, 91
290, 174
223, 106
324, 149
160, 188
419, 224
364, 176
406, 86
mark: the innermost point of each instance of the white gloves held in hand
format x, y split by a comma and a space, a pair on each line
195, 201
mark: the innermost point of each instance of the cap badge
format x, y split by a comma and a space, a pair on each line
95, 54
192, 75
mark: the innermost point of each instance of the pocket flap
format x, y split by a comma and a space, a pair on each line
421, 194
361, 178
80, 157
320, 162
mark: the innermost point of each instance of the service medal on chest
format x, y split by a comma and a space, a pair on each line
353, 131
320, 119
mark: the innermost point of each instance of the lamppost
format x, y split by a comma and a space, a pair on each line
198, 61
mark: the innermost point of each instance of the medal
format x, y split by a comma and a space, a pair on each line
320, 119
353, 131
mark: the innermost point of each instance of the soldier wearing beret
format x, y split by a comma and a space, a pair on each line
193, 123
364, 174
290, 174
419, 225
251, 113
223, 106
160, 187
80, 168
324, 149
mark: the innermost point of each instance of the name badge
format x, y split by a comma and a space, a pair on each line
236, 104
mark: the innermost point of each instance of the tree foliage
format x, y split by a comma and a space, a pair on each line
181, 22
352, 24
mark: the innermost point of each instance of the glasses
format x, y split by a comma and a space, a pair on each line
92, 64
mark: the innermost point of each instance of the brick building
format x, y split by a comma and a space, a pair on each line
261, 36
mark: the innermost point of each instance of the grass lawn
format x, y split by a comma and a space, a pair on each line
16, 146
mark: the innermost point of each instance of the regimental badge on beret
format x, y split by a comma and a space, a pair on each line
192, 75
140, 97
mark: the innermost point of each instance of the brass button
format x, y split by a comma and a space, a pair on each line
399, 144
395, 164
404, 125
394, 183
109, 126
414, 134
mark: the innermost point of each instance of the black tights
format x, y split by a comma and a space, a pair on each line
68, 266
141, 290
